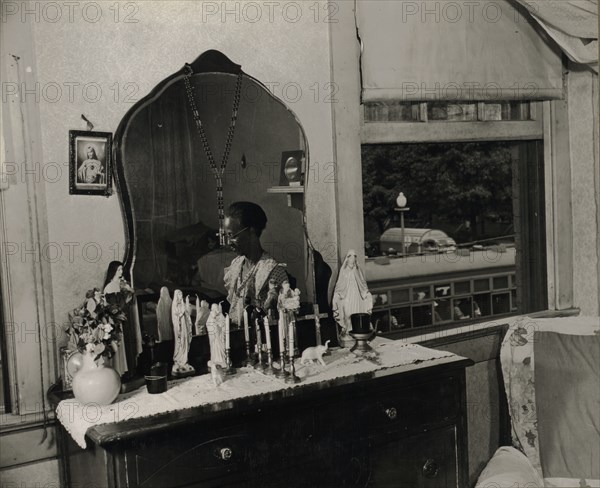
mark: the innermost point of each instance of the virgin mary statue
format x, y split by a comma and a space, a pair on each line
182, 325
350, 295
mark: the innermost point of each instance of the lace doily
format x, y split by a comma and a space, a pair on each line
199, 390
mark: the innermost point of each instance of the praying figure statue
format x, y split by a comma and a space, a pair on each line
350, 296
182, 326
163, 315
202, 313
215, 326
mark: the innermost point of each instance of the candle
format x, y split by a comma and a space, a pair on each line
291, 339
281, 334
246, 329
226, 331
267, 332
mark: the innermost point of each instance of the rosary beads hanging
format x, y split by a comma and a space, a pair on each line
218, 172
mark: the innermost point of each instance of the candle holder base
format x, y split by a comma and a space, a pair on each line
270, 370
260, 367
292, 378
249, 363
281, 373
362, 347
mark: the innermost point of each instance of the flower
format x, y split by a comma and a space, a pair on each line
97, 325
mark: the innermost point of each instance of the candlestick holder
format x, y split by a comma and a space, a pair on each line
292, 378
249, 361
229, 370
259, 364
281, 372
270, 369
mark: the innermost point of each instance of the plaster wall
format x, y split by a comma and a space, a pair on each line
101, 68
585, 190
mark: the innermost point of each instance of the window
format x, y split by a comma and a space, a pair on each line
471, 239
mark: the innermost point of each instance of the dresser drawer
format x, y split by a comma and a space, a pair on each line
219, 456
184, 458
426, 460
397, 409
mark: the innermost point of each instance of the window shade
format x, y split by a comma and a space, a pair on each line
423, 50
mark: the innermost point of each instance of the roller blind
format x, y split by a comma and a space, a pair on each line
423, 50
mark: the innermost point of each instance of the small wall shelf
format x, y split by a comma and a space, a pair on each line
286, 189
295, 195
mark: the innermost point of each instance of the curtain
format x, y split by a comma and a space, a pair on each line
573, 24
455, 50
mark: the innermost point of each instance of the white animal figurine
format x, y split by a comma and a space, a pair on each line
312, 354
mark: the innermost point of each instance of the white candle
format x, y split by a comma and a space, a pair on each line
226, 331
267, 332
281, 334
246, 327
291, 339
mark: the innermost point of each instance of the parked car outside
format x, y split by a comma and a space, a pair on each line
416, 241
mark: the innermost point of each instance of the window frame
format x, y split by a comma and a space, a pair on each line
528, 200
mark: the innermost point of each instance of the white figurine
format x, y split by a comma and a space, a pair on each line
312, 354
163, 315
215, 326
188, 306
350, 296
202, 313
288, 303
216, 372
288, 300
182, 325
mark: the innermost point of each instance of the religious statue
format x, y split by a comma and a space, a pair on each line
215, 326
272, 296
163, 315
350, 296
202, 313
182, 326
117, 291
288, 302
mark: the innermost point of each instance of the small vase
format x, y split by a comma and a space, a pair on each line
95, 383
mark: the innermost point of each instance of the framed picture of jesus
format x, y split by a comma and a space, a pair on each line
90, 165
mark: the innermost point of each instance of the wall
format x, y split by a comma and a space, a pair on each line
582, 99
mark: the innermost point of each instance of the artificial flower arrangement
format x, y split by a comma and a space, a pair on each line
96, 327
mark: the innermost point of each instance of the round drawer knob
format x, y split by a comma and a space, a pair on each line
391, 413
226, 453
431, 468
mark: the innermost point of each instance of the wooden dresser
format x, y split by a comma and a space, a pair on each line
401, 427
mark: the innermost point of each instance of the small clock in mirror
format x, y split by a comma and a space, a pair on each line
292, 167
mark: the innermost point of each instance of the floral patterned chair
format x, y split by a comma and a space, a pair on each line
551, 370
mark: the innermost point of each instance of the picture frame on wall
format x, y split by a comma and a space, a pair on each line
90, 163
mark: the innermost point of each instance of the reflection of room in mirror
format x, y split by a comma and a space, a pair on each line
172, 186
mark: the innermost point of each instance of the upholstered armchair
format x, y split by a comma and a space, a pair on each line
551, 370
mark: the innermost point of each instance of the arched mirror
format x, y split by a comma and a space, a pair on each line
167, 159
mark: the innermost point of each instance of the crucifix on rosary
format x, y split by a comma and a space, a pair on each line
218, 172
316, 316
